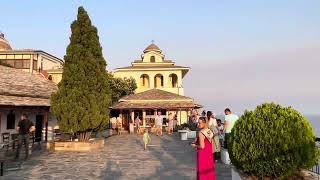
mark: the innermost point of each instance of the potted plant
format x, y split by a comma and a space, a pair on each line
192, 130
272, 142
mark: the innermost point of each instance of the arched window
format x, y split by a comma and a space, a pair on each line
173, 80
158, 81
144, 80
152, 59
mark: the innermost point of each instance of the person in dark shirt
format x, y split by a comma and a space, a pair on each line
24, 128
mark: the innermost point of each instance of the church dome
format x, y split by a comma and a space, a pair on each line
152, 47
4, 44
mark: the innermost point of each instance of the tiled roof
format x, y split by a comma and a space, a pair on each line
23, 101
155, 99
154, 105
141, 61
22, 88
4, 44
152, 47
155, 94
153, 67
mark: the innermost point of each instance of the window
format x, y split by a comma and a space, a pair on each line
10, 62
173, 80
35, 64
158, 81
144, 80
18, 64
152, 59
11, 120
26, 64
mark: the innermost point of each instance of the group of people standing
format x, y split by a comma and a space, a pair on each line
211, 135
116, 124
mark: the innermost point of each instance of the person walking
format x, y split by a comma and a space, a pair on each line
205, 163
229, 121
119, 124
131, 127
170, 123
24, 128
113, 124
221, 132
158, 122
137, 122
213, 126
146, 139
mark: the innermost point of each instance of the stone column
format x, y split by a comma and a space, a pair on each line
151, 78
144, 117
31, 63
46, 119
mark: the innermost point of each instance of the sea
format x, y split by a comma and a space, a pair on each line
315, 123
313, 119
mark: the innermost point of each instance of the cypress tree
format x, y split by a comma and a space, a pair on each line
81, 105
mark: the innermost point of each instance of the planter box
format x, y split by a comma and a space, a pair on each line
192, 134
225, 156
235, 174
184, 134
78, 146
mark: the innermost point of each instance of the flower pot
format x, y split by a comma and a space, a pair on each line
192, 134
183, 134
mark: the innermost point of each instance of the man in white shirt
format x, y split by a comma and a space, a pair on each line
158, 122
229, 121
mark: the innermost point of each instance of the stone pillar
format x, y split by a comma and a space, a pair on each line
151, 77
39, 62
46, 119
31, 64
132, 115
144, 117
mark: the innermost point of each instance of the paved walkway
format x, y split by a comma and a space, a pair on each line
122, 157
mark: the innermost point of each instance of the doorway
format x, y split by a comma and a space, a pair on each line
39, 126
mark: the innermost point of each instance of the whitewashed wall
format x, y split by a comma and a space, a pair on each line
52, 123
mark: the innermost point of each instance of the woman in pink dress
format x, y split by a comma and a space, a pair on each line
205, 164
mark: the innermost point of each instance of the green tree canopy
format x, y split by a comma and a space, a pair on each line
272, 141
121, 87
82, 102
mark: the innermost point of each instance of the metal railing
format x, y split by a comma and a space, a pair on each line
316, 168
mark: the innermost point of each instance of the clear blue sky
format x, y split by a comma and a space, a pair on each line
241, 52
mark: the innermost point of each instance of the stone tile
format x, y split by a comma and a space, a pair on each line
122, 157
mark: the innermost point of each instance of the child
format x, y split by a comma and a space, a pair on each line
146, 138
131, 127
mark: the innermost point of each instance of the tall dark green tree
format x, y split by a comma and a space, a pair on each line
82, 102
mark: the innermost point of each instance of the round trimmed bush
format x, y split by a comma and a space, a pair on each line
272, 141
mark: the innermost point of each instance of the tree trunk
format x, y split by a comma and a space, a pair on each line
84, 136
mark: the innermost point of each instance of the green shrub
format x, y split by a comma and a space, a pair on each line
272, 141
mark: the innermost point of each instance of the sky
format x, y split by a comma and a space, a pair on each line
241, 53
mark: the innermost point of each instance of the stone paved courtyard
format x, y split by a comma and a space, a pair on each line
122, 157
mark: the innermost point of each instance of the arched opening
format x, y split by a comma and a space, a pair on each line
144, 81
173, 80
158, 81
152, 59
